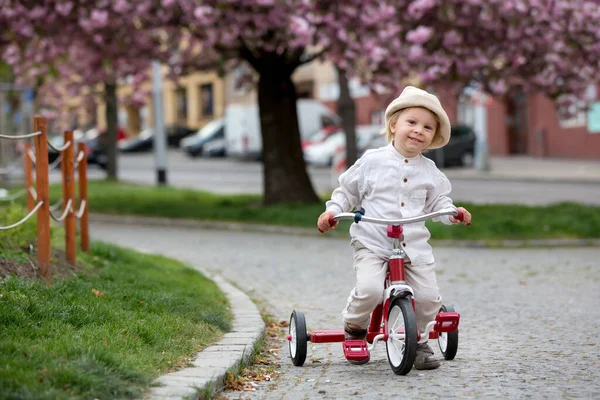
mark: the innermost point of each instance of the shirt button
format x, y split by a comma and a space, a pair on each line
402, 204
405, 180
403, 244
405, 161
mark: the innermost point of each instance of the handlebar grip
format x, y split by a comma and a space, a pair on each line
331, 222
461, 216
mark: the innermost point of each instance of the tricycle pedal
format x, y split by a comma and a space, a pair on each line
446, 322
355, 350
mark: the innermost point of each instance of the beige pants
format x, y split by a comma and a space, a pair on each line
370, 277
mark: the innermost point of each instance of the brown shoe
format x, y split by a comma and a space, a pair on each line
425, 358
354, 332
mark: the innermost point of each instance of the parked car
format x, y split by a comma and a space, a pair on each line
175, 133
322, 154
320, 135
95, 141
459, 151
208, 141
243, 133
143, 142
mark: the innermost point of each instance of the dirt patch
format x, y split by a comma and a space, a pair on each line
28, 266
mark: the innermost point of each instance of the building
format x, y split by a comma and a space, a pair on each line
192, 101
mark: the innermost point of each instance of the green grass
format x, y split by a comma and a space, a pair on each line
105, 332
490, 222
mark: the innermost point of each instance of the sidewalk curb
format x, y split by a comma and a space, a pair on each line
210, 367
287, 230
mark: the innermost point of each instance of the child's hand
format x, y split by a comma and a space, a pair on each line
466, 217
323, 222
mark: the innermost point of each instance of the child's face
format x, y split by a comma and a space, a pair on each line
414, 130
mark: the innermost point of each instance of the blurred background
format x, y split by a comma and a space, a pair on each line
209, 98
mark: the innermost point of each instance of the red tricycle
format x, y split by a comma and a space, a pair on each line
393, 321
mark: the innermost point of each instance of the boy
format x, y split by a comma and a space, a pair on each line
393, 182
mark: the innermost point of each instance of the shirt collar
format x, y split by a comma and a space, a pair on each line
395, 154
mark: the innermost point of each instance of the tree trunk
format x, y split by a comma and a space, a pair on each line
347, 111
285, 179
110, 137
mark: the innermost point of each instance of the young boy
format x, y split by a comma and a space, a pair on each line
394, 182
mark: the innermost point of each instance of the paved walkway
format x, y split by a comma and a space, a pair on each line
528, 327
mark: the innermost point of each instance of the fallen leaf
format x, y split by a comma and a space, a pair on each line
97, 293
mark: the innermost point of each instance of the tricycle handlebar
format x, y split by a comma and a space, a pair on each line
358, 217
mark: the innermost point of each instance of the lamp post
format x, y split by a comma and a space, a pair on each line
160, 142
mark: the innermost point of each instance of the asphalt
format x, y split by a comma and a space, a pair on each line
209, 369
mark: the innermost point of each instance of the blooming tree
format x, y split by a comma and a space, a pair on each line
76, 45
549, 46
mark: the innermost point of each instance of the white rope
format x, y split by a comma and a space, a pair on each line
21, 136
33, 193
57, 205
5, 228
81, 209
62, 148
80, 156
31, 155
14, 196
56, 162
68, 209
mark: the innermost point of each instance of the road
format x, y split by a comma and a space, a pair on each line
529, 317
229, 177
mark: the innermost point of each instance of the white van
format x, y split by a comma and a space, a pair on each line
242, 133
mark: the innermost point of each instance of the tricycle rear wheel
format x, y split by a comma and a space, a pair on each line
298, 338
448, 341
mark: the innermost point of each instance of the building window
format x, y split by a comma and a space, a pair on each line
575, 114
206, 100
181, 99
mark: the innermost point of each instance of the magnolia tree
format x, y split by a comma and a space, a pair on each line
82, 45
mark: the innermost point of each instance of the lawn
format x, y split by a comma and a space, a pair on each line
490, 222
105, 329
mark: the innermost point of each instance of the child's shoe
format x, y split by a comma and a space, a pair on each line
353, 332
425, 358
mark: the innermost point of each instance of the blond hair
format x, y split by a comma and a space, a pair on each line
391, 121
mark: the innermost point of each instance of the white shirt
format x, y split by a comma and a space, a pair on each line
388, 185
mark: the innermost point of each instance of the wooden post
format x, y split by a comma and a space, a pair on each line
83, 196
29, 177
67, 167
41, 180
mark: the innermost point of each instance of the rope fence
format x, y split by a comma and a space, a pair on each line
38, 202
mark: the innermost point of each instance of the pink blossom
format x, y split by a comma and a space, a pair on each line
64, 8
99, 18
419, 35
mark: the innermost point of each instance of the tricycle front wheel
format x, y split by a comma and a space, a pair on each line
402, 333
297, 338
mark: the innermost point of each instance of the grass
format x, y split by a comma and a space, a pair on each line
106, 330
490, 222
